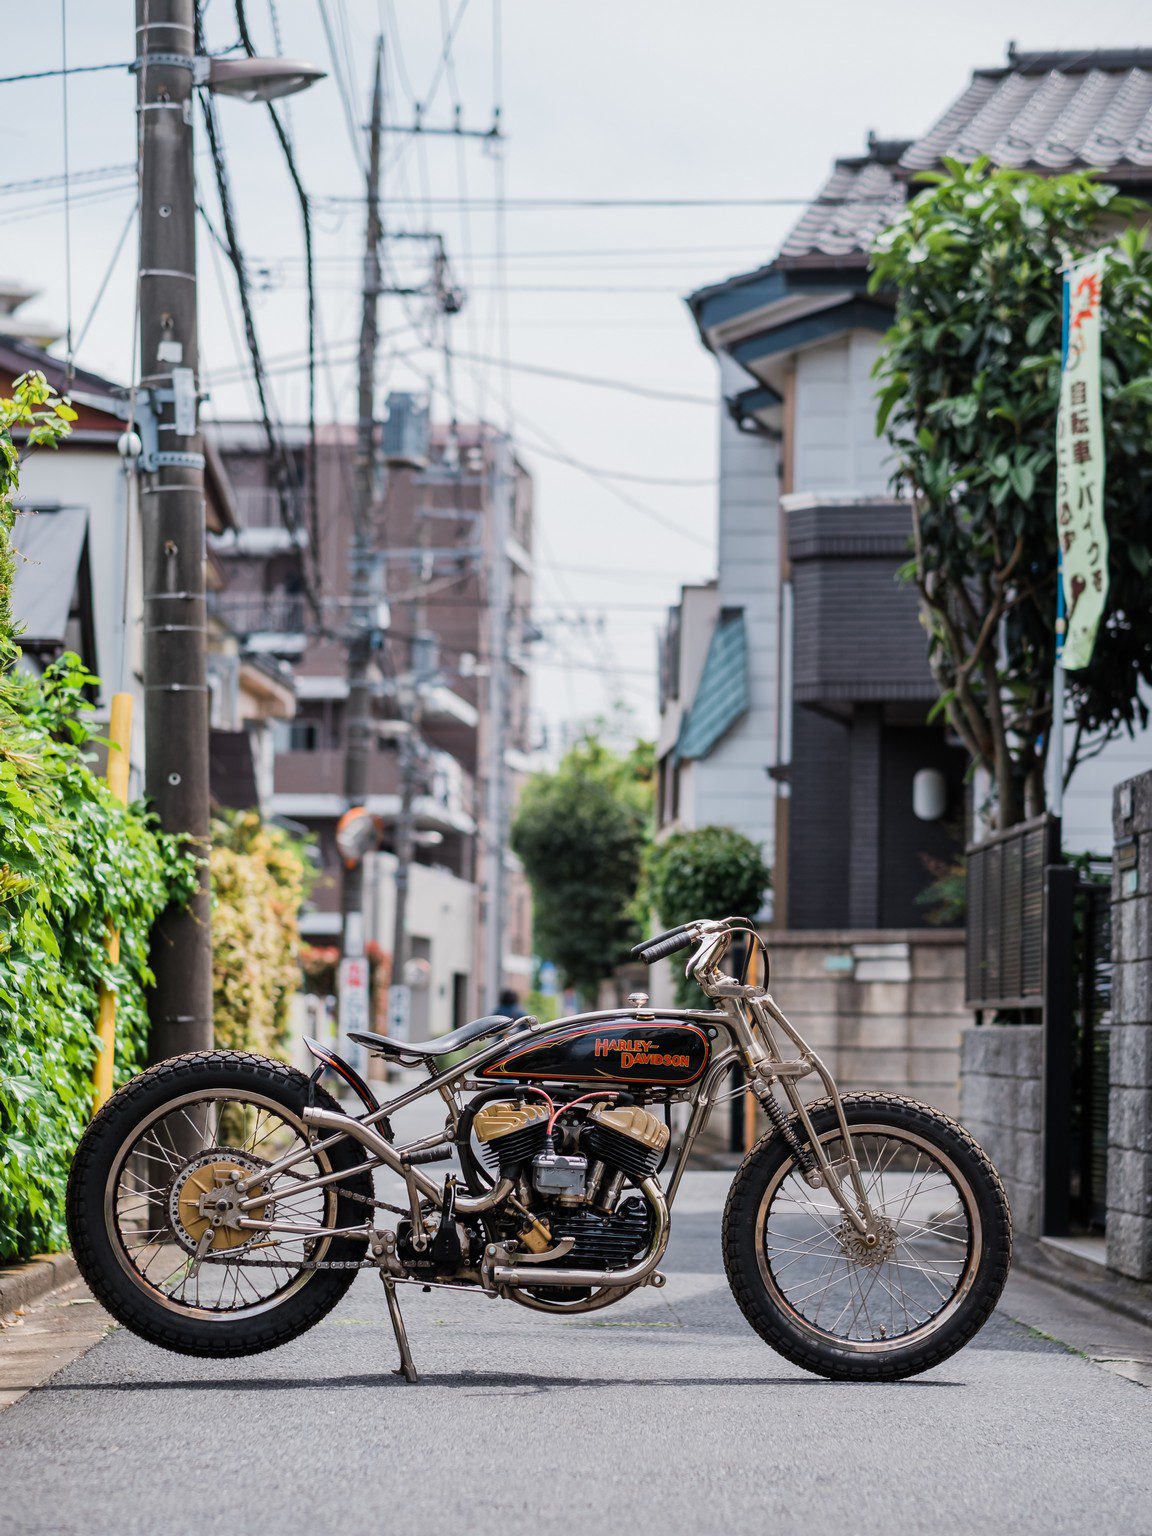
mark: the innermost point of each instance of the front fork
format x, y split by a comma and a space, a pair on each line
766, 1068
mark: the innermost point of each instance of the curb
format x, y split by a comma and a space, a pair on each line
23, 1284
1083, 1279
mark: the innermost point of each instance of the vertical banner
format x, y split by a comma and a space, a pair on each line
1081, 528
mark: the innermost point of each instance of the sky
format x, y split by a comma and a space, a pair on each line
605, 101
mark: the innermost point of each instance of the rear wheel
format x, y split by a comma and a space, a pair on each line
156, 1225
814, 1290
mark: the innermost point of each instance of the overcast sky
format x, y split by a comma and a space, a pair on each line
599, 99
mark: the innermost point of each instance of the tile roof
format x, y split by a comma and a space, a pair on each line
858, 201
1050, 112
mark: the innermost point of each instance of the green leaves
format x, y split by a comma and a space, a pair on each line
73, 862
967, 388
708, 872
581, 833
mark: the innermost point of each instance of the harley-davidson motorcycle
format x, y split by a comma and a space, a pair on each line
222, 1203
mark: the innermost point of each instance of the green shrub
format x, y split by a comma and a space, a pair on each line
260, 877
709, 872
73, 862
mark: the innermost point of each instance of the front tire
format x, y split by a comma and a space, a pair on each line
818, 1296
133, 1217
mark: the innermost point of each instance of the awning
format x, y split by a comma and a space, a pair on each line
49, 546
722, 692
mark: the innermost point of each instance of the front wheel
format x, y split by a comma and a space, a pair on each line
827, 1301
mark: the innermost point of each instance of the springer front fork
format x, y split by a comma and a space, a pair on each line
767, 1067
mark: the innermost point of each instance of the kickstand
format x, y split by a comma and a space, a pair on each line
407, 1367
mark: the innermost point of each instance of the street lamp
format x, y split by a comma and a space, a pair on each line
256, 79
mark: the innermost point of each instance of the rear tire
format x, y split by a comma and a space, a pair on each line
98, 1244
955, 1263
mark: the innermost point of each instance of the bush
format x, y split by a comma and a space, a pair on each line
580, 833
710, 872
73, 863
260, 877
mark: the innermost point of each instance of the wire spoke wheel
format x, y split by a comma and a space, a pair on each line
897, 1299
927, 1245
174, 1173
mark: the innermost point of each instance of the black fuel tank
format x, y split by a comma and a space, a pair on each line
668, 1053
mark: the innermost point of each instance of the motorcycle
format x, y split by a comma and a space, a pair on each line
222, 1203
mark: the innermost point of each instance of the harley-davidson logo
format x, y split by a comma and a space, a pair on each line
639, 1053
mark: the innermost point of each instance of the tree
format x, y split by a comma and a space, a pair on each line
581, 833
708, 872
969, 382
260, 877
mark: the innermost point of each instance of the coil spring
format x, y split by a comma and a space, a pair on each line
804, 1159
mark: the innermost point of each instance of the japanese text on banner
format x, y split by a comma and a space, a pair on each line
1081, 528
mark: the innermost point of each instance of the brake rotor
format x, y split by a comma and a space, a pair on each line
857, 1247
204, 1195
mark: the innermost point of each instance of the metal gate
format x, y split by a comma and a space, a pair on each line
1091, 1062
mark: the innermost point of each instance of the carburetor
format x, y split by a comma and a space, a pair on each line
559, 1176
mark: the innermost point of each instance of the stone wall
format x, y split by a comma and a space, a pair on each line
1000, 1103
884, 1009
1130, 1096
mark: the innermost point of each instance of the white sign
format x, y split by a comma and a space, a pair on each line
399, 1010
1081, 529
353, 993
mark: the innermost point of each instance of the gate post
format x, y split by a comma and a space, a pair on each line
1060, 882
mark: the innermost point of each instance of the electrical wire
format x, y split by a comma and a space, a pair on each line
284, 474
71, 69
312, 497
100, 292
70, 354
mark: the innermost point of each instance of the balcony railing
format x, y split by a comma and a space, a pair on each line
260, 506
282, 613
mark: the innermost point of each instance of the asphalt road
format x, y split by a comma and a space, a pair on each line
663, 1414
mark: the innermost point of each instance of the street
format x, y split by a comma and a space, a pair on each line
665, 1413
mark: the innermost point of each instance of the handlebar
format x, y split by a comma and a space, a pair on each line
640, 951
665, 944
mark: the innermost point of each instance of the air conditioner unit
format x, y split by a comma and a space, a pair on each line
406, 431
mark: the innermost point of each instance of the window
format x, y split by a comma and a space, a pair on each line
296, 735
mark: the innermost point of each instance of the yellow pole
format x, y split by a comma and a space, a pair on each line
120, 740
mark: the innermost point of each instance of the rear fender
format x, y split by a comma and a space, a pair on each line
329, 1060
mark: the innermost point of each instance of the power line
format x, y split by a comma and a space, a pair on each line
310, 276
559, 204
619, 474
68, 69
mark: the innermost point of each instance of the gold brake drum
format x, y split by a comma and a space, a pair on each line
204, 1195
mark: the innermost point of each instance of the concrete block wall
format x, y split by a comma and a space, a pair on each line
1000, 1103
1129, 1225
884, 1009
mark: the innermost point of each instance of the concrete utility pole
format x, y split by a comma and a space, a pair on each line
172, 511
362, 614
499, 597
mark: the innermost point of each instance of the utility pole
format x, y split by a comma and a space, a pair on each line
362, 614
496, 769
172, 512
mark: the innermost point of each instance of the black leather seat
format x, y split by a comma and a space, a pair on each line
423, 1050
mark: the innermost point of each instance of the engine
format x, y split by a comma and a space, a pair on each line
571, 1179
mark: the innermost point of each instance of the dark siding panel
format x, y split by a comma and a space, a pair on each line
857, 629
818, 823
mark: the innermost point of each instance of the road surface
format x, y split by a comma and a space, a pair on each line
665, 1414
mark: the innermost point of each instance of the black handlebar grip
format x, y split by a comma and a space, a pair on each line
667, 945
640, 950
428, 1155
